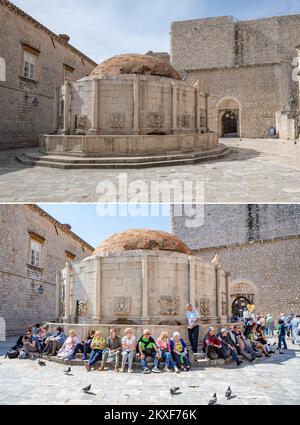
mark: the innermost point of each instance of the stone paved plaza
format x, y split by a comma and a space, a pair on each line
259, 170
267, 381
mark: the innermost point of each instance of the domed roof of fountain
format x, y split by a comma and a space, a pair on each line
145, 239
135, 64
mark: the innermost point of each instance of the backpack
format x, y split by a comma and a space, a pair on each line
12, 354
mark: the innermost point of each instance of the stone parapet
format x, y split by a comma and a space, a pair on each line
122, 145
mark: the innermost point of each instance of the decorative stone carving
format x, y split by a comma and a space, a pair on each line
169, 305
117, 120
184, 121
82, 308
156, 119
80, 124
122, 305
204, 306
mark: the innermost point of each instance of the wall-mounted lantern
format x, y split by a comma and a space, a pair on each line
35, 102
41, 289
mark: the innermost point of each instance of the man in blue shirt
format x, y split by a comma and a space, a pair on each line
30, 344
193, 318
55, 342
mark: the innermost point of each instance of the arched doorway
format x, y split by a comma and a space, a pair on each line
229, 117
230, 124
239, 305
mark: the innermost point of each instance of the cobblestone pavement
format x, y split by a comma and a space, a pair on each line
260, 170
267, 381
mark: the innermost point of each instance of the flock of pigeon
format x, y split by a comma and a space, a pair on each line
212, 401
173, 391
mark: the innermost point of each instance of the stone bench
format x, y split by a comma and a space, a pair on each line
199, 361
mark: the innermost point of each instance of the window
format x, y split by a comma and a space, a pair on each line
29, 65
36, 243
68, 72
2, 69
69, 256
29, 62
36, 251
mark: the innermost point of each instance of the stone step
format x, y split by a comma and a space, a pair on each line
120, 163
74, 159
199, 361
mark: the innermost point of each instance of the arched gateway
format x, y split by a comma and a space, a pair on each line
229, 117
242, 293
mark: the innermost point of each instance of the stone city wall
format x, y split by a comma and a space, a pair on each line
230, 224
270, 268
250, 61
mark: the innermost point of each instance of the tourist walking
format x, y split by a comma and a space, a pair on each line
269, 325
129, 349
193, 317
113, 352
281, 336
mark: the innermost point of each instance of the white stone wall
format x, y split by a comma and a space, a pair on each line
116, 106
121, 280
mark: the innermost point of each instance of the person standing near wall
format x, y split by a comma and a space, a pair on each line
295, 323
193, 318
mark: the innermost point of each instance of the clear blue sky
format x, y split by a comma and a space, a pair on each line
104, 28
94, 228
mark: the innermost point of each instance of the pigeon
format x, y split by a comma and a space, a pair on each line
68, 371
173, 390
228, 393
213, 400
87, 389
41, 363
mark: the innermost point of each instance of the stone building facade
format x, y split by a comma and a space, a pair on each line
34, 63
247, 67
33, 248
259, 245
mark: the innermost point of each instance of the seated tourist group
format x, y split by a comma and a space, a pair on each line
245, 340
